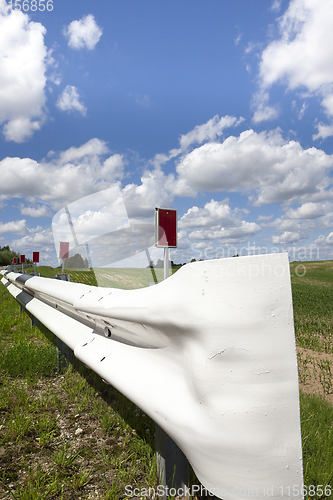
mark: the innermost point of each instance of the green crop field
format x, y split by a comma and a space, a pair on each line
68, 436
312, 289
125, 278
313, 300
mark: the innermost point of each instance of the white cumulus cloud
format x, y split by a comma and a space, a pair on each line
323, 131
70, 100
310, 210
265, 165
153, 191
288, 238
23, 63
91, 149
302, 57
83, 33
208, 131
263, 111
37, 239
38, 211
276, 5
69, 176
15, 227
299, 223
216, 221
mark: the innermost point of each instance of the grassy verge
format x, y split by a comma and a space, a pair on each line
313, 300
63, 436
312, 289
317, 442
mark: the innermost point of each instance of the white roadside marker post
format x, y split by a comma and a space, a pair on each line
63, 255
173, 469
166, 263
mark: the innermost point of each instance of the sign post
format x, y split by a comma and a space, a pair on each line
173, 469
14, 263
22, 261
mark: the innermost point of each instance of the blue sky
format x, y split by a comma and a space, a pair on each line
222, 110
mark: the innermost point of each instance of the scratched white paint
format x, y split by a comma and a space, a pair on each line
209, 354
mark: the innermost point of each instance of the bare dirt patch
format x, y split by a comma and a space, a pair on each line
316, 373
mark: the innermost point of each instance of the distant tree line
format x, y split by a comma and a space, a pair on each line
160, 264
7, 255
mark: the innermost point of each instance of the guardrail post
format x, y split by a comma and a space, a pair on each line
65, 355
63, 277
34, 321
173, 469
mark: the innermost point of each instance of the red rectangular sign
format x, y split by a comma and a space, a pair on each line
35, 257
166, 227
22, 259
63, 250
14, 260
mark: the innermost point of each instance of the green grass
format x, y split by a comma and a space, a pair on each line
312, 290
45, 271
40, 410
28, 359
317, 442
313, 301
125, 278
320, 272
23, 355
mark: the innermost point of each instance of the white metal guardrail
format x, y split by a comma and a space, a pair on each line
209, 354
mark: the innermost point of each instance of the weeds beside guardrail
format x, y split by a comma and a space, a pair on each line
63, 436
